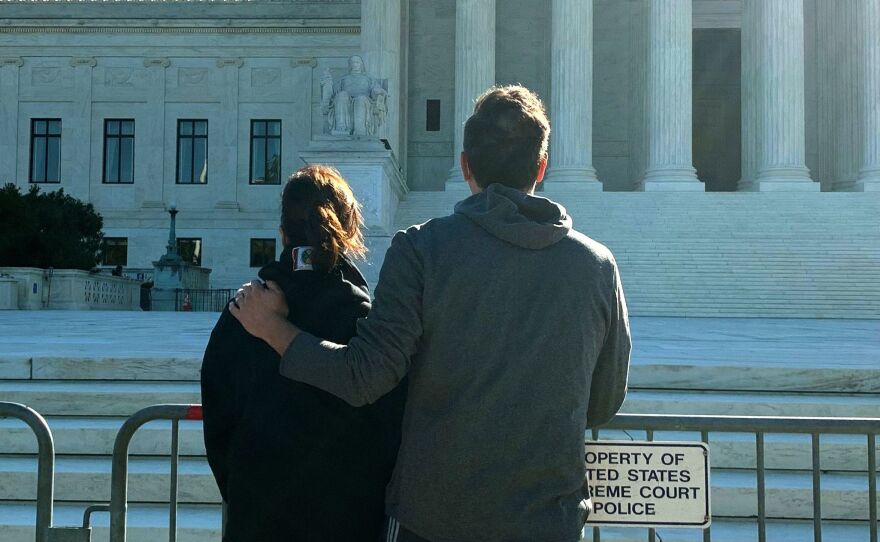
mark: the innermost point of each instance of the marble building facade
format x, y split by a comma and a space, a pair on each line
643, 95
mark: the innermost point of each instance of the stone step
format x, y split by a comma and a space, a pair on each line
201, 523
95, 436
87, 479
845, 453
699, 366
751, 403
739, 530
72, 398
145, 523
844, 495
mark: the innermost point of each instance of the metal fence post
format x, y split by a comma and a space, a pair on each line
119, 474
45, 463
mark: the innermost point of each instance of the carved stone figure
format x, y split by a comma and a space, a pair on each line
355, 105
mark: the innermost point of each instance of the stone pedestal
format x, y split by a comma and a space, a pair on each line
370, 169
571, 100
172, 274
779, 72
31, 282
670, 98
869, 175
8, 293
474, 71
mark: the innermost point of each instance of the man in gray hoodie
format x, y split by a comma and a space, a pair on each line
512, 329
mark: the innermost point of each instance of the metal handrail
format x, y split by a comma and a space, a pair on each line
759, 426
45, 463
119, 473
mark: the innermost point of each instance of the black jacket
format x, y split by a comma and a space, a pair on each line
294, 463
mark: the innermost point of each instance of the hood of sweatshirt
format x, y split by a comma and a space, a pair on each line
516, 217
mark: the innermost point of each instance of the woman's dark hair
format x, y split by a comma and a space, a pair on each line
319, 209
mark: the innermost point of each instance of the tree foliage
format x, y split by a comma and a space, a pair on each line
48, 229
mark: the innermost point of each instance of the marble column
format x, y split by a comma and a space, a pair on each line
226, 175
869, 175
151, 191
749, 105
779, 57
571, 99
380, 44
474, 70
670, 97
9, 77
76, 174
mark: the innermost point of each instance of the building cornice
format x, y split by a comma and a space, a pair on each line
208, 27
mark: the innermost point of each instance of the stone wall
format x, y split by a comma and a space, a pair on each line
71, 289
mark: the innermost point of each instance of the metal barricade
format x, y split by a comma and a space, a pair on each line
119, 474
45, 463
759, 426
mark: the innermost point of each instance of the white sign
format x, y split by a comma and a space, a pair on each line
648, 484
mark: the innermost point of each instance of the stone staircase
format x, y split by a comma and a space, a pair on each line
810, 255
742, 372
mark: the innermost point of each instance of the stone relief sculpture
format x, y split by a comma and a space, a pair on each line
355, 105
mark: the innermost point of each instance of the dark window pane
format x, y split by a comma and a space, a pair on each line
201, 127
54, 127
39, 127
126, 158
184, 164
273, 161
258, 159
127, 127
274, 127
38, 160
184, 127
262, 252
258, 127
53, 160
111, 161
112, 127
190, 249
115, 251
432, 116
200, 161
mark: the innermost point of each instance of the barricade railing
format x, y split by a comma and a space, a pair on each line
760, 426
45, 463
119, 473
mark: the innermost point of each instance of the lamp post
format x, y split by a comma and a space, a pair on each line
172, 236
171, 248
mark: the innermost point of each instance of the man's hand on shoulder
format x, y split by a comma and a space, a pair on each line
262, 310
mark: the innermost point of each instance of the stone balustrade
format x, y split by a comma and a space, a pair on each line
69, 289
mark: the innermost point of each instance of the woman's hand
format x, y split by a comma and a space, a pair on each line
262, 311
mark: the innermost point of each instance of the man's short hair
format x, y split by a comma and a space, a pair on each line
506, 137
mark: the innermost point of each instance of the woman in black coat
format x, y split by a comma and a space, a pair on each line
294, 463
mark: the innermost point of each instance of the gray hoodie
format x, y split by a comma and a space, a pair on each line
513, 331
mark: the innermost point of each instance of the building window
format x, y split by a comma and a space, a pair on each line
432, 116
45, 151
262, 252
190, 249
115, 251
192, 151
265, 152
118, 151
